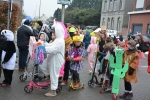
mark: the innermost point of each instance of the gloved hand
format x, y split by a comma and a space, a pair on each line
131, 70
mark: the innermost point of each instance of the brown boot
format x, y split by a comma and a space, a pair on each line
78, 84
74, 82
106, 83
64, 82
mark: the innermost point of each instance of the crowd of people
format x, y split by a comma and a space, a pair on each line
68, 46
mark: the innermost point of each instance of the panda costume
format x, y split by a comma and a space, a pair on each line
8, 57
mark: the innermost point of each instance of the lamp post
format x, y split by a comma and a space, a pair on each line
9, 12
40, 9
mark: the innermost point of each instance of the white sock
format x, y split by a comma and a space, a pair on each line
130, 91
126, 91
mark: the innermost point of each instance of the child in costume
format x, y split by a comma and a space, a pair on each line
108, 46
132, 56
8, 57
91, 49
76, 53
68, 41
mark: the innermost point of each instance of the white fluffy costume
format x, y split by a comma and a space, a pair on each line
8, 57
55, 60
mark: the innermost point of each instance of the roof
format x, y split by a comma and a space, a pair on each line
139, 12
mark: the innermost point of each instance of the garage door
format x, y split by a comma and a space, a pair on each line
137, 28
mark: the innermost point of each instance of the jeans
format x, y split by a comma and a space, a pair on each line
23, 55
86, 47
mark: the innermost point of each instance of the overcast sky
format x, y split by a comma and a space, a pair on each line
31, 7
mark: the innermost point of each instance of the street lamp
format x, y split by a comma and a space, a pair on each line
39, 9
9, 12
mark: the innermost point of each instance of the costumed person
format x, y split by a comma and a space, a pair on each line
109, 46
68, 41
23, 35
72, 29
8, 58
55, 59
76, 53
132, 57
91, 50
2, 45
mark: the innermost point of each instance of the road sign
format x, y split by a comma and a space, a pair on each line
65, 2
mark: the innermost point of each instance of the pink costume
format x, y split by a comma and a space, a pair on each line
91, 49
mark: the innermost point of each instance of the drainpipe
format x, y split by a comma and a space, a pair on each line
128, 24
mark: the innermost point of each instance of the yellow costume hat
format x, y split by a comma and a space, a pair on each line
77, 38
68, 40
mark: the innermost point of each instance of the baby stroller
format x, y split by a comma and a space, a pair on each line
31, 70
45, 84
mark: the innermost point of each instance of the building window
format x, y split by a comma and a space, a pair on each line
108, 23
112, 23
121, 5
119, 25
139, 4
103, 22
105, 6
148, 29
115, 5
110, 5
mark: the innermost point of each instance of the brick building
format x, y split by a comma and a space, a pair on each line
139, 18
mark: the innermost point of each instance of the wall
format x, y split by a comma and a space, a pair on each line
140, 19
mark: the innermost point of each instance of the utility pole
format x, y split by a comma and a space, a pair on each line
63, 13
9, 12
40, 9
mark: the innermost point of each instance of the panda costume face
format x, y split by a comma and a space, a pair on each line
9, 51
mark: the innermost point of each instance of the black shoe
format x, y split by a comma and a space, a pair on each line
129, 96
124, 95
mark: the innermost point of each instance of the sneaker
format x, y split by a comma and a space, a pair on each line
52, 93
109, 89
63, 82
129, 96
124, 95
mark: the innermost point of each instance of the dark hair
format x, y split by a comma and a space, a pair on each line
141, 39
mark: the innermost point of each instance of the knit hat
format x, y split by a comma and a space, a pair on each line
132, 43
27, 22
40, 23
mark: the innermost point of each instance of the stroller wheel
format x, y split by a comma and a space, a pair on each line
90, 83
114, 96
27, 89
22, 78
101, 90
59, 88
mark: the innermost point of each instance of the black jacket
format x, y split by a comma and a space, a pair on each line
23, 35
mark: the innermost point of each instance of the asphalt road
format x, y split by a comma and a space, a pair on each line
141, 90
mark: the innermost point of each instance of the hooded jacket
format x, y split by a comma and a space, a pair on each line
87, 38
9, 51
46, 39
91, 49
55, 51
